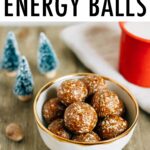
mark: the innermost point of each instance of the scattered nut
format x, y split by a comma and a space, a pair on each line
14, 132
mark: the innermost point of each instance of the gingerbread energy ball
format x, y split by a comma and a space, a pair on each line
106, 103
52, 109
71, 91
94, 83
90, 137
57, 127
80, 117
112, 126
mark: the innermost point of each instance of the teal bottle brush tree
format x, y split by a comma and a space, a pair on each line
47, 59
24, 86
11, 56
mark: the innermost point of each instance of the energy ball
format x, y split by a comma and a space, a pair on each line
94, 83
106, 103
112, 126
71, 91
52, 109
57, 127
80, 117
90, 137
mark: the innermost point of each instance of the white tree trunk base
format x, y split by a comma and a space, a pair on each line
25, 98
51, 74
11, 74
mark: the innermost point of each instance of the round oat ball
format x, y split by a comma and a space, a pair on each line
71, 91
80, 117
94, 83
57, 127
52, 109
90, 137
112, 126
106, 103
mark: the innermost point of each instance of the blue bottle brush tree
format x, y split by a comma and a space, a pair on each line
11, 55
47, 59
24, 82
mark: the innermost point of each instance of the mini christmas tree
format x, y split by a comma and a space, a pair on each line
24, 82
47, 59
11, 55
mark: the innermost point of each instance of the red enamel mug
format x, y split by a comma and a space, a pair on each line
134, 62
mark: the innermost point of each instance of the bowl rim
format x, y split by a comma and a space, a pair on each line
42, 127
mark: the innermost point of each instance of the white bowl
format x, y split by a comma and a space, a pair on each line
55, 142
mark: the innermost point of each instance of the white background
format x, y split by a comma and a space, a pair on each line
82, 12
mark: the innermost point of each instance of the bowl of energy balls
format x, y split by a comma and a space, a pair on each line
85, 111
